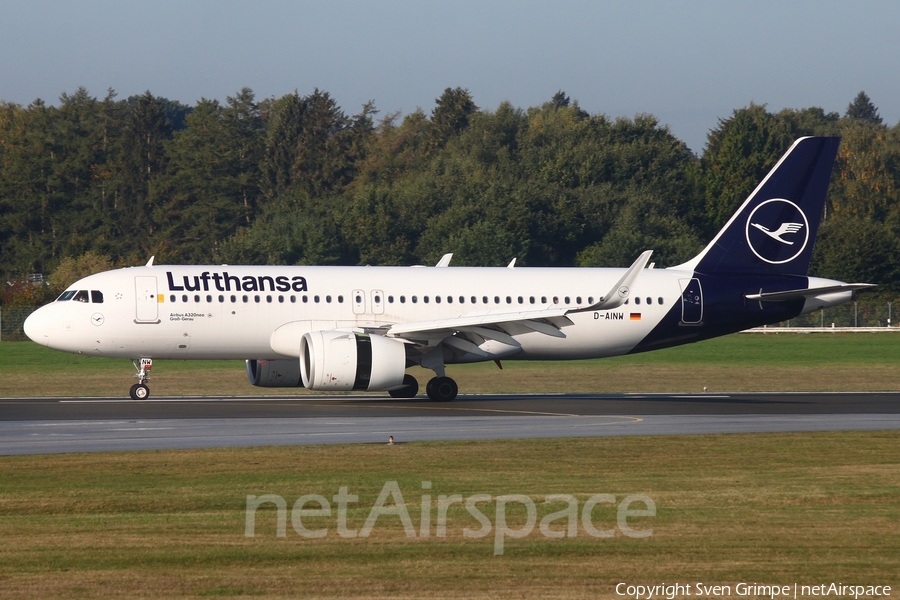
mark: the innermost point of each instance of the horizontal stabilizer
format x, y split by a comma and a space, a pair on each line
808, 293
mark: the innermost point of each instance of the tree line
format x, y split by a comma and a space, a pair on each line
95, 183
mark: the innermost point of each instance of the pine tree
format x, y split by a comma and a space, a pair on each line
862, 109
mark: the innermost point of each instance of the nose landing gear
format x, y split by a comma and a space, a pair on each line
140, 391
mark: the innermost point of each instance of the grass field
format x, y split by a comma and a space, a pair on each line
742, 362
774, 509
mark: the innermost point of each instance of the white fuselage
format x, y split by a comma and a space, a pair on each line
247, 312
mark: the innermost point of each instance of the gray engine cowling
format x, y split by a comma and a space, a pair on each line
274, 373
341, 360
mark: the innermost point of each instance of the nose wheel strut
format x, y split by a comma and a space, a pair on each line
140, 390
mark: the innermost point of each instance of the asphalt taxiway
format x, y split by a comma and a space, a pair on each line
49, 425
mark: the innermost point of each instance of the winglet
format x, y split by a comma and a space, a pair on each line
445, 260
620, 292
150, 262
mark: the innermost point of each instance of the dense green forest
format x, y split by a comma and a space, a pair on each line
94, 183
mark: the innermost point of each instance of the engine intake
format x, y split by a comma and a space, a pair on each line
341, 360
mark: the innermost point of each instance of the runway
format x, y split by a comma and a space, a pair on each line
52, 425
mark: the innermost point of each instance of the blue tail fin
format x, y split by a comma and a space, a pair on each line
774, 231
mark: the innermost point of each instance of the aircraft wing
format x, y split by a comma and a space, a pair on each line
548, 321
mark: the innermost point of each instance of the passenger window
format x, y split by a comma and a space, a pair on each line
184, 298
649, 300
209, 298
96, 297
81, 296
172, 298
659, 300
637, 300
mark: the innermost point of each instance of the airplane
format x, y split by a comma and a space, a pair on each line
361, 328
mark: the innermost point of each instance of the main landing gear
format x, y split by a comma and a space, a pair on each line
409, 390
442, 389
439, 389
140, 391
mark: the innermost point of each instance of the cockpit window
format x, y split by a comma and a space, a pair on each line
96, 297
81, 296
67, 295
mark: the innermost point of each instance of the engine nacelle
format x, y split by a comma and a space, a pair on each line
274, 373
342, 360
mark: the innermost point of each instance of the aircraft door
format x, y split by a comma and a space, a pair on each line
359, 302
377, 302
147, 302
691, 301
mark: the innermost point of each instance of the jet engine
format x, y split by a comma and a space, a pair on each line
274, 373
342, 360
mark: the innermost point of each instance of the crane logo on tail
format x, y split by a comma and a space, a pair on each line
785, 228
777, 231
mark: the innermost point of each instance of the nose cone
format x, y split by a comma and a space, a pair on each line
37, 327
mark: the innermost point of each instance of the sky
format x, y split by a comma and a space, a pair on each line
688, 63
